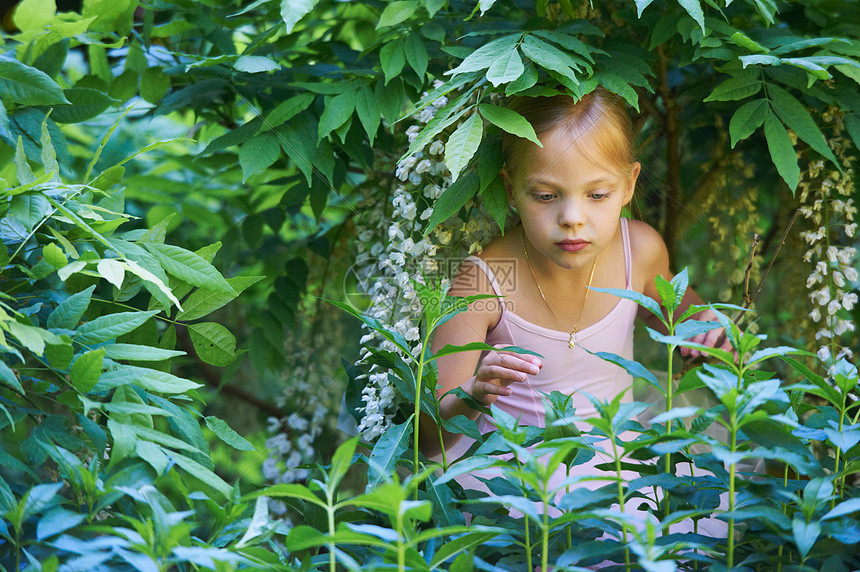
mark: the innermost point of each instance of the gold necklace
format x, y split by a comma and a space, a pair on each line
572, 342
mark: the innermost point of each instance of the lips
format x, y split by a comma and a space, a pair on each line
572, 245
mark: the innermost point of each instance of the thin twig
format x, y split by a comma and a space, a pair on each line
747, 297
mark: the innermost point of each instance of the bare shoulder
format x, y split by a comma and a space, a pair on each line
650, 256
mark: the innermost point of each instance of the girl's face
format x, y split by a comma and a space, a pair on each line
562, 195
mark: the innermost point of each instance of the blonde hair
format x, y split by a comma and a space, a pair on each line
600, 115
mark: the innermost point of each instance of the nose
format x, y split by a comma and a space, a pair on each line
571, 213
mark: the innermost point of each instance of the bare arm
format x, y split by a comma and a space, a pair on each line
493, 376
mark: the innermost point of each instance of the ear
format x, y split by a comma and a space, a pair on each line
631, 182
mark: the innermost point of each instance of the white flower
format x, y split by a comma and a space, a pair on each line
427, 114
832, 252
851, 274
833, 307
422, 167
849, 300
412, 132
815, 314
436, 148
824, 353
426, 213
850, 229
838, 279
813, 279
845, 255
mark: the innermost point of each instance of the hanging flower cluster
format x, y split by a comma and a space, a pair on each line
387, 260
828, 204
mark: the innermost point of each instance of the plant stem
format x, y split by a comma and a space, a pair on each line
528, 541
669, 395
544, 557
730, 552
419, 388
621, 502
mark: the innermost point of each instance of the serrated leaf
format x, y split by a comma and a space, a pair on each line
214, 343
510, 121
111, 326
189, 267
87, 369
462, 144
294, 10
747, 119
227, 434
781, 151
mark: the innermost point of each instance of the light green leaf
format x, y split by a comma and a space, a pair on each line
396, 12
294, 10
337, 111
8, 377
528, 78
759, 59
462, 144
34, 15
29, 336
150, 277
137, 352
26, 85
485, 5
505, 68
736, 88
112, 270
108, 327
84, 103
747, 119
214, 343
744, 41
510, 121
796, 117
549, 57
694, 9
227, 434
152, 454
258, 153
416, 54
255, 64
641, 5
198, 471
149, 379
87, 369
54, 255
368, 112
781, 151
112, 15
203, 302
189, 267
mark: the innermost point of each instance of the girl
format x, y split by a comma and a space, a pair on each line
569, 195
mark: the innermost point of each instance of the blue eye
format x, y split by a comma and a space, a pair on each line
598, 196
540, 197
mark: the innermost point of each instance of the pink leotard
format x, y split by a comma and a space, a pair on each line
569, 371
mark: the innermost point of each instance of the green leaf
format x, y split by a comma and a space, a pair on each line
641, 299
337, 111
796, 117
149, 379
189, 267
154, 85
57, 520
736, 88
368, 112
203, 302
227, 434
111, 326
387, 450
258, 153
291, 490
294, 10
137, 352
71, 310
214, 343
112, 270
549, 57
396, 12
416, 54
287, 110
8, 377
528, 79
87, 369
452, 200
483, 57
747, 119
510, 121
85, 103
341, 461
744, 41
505, 68
200, 472
462, 144
152, 454
111, 15
26, 85
392, 58
634, 368
781, 151
641, 5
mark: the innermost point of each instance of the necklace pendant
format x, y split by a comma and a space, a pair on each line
571, 343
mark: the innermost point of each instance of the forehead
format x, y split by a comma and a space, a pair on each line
565, 156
